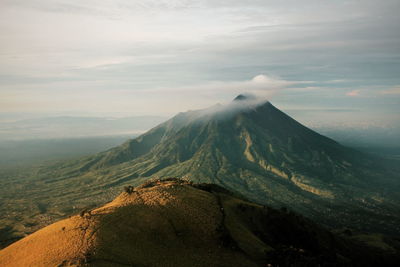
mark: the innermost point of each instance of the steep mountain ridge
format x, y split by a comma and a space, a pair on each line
187, 132
221, 144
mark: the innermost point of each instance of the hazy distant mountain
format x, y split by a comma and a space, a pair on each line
35, 151
177, 223
68, 127
374, 137
252, 147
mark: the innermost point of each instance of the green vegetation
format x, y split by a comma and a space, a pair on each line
258, 152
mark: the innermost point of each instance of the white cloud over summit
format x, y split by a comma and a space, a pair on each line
173, 99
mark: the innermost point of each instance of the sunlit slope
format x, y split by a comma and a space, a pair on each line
175, 223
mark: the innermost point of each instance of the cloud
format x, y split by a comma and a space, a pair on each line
172, 55
87, 97
260, 85
392, 91
353, 93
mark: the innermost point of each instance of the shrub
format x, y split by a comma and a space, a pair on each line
129, 189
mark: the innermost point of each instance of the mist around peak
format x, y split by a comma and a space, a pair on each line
245, 97
248, 100
241, 103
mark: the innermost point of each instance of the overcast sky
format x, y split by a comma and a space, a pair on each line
110, 57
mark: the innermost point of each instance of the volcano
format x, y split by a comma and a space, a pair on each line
250, 147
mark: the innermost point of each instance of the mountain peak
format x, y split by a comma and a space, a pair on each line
245, 97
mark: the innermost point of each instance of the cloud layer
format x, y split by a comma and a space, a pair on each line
164, 56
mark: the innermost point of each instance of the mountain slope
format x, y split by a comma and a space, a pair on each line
248, 146
176, 223
245, 134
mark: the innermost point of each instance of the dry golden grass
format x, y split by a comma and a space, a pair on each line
64, 242
168, 224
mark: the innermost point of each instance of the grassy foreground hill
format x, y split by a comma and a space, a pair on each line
177, 223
